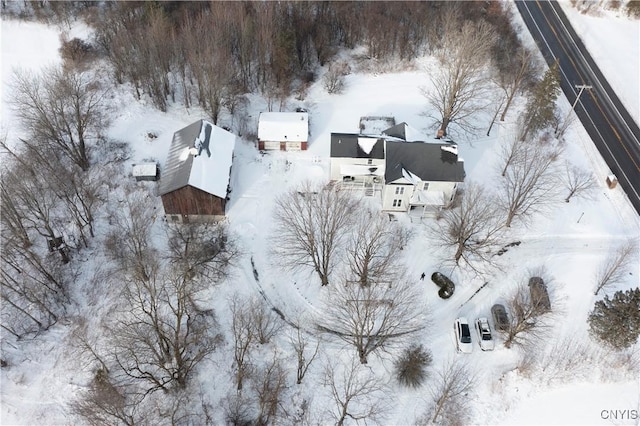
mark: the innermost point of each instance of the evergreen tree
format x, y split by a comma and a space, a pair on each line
541, 107
616, 321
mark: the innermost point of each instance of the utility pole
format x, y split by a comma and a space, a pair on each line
564, 124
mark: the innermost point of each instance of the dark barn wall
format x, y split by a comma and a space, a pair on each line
192, 201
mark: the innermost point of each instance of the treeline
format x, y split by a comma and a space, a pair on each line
211, 53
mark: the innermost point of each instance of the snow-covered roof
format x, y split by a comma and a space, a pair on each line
407, 133
361, 170
410, 176
367, 144
283, 126
427, 198
374, 125
144, 169
349, 145
200, 156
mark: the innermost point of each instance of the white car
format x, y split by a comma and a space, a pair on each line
463, 335
485, 339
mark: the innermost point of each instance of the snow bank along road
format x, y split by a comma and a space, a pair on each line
607, 122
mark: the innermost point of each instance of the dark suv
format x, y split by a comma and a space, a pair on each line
539, 295
500, 319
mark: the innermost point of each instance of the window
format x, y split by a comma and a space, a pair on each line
370, 161
399, 190
397, 203
426, 186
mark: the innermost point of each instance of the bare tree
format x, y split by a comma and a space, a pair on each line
65, 109
371, 317
239, 409
516, 75
569, 358
82, 196
201, 250
300, 343
448, 391
509, 151
373, 246
12, 218
269, 383
578, 181
310, 224
333, 79
530, 181
528, 321
473, 229
162, 333
356, 392
243, 337
34, 283
104, 403
34, 289
29, 192
615, 266
129, 240
460, 81
266, 324
214, 78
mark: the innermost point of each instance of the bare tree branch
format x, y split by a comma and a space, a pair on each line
243, 336
459, 83
449, 393
310, 225
371, 317
578, 181
473, 229
355, 390
373, 246
615, 266
530, 181
62, 108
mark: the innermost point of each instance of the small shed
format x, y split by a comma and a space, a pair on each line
284, 131
146, 171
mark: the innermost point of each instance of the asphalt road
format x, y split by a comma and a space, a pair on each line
612, 129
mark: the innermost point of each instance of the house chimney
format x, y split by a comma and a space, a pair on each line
440, 134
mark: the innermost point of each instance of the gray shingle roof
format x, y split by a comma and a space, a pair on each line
207, 167
428, 161
176, 172
346, 145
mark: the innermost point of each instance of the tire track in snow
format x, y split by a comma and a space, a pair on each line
550, 245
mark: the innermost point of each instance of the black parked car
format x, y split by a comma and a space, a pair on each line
447, 287
500, 318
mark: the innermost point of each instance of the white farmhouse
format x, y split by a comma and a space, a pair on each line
409, 171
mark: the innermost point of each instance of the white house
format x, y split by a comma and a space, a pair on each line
422, 176
409, 171
285, 131
357, 161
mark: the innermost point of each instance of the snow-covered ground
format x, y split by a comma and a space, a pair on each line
569, 240
613, 39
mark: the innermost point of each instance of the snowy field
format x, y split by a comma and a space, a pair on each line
613, 39
569, 240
